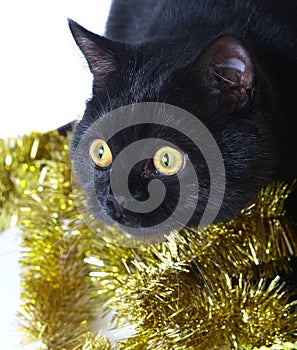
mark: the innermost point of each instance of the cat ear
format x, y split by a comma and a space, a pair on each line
96, 49
229, 69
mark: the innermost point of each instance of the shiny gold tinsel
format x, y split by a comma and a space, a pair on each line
211, 289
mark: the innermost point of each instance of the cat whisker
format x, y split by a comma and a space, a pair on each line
179, 223
201, 273
71, 248
108, 96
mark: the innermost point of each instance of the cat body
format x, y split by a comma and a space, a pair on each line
232, 64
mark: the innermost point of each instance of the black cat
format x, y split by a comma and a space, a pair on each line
231, 63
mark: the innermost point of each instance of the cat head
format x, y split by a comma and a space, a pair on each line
218, 82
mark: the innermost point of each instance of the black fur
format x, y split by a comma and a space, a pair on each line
170, 51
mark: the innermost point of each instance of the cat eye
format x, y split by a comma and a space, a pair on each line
168, 161
100, 153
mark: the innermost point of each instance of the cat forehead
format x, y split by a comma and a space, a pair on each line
147, 69
171, 55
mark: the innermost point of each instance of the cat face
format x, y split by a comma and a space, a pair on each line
219, 84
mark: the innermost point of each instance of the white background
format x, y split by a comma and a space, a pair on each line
44, 82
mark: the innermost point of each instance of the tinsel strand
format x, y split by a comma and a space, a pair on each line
209, 289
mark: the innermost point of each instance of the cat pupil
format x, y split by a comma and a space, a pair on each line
165, 159
101, 152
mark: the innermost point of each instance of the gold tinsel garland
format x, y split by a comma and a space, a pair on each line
211, 289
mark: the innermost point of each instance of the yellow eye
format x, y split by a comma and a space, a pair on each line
168, 160
100, 153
